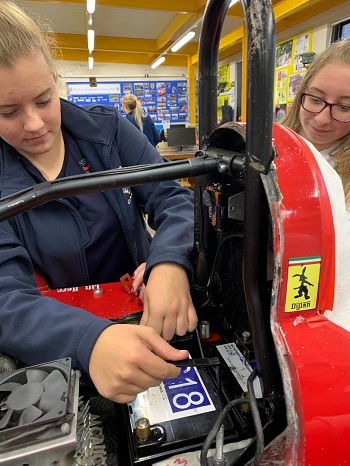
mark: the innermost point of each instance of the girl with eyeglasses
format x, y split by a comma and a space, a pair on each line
321, 109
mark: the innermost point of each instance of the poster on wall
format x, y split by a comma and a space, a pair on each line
280, 112
281, 87
161, 100
289, 70
284, 55
301, 46
294, 81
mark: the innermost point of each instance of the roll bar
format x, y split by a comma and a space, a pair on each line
261, 44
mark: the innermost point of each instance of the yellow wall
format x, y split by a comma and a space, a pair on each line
289, 70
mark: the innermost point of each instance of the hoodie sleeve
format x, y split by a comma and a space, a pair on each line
34, 326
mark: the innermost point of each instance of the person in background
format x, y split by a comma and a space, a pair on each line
321, 109
132, 107
162, 136
85, 239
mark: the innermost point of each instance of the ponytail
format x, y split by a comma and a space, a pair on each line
134, 105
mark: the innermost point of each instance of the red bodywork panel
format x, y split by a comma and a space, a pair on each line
313, 351
109, 300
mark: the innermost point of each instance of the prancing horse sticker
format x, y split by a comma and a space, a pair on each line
302, 284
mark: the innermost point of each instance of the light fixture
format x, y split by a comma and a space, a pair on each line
183, 39
187, 37
157, 62
90, 6
91, 39
91, 62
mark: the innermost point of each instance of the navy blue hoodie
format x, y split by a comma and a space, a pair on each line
149, 128
51, 238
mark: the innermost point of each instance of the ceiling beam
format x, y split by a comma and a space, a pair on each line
126, 44
180, 6
281, 9
171, 29
287, 13
308, 11
120, 57
232, 50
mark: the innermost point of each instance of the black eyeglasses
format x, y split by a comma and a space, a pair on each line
314, 104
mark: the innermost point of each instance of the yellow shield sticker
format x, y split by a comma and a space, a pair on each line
302, 284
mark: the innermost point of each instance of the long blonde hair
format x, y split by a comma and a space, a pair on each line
338, 52
132, 104
21, 36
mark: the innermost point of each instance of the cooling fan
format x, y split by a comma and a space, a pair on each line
42, 396
38, 411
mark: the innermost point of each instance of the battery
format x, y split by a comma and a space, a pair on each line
180, 412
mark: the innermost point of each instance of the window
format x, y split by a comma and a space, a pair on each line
341, 31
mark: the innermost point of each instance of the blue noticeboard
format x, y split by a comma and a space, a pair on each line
162, 100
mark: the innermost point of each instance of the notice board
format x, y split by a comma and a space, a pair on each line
289, 70
162, 100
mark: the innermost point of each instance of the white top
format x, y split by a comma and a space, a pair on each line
325, 154
341, 309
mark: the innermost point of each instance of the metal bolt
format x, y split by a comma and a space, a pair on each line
222, 168
204, 329
65, 428
142, 428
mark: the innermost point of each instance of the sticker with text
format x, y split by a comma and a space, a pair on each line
181, 397
302, 283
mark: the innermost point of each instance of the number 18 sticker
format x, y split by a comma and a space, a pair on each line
187, 393
174, 398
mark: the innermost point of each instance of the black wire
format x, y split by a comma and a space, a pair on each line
209, 288
216, 427
251, 399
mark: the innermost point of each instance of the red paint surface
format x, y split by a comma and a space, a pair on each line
315, 350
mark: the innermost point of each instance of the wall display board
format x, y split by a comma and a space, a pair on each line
225, 89
162, 100
289, 70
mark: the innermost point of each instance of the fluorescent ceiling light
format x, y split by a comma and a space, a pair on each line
91, 40
187, 37
90, 6
91, 63
157, 62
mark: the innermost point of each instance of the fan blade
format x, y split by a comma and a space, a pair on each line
36, 375
56, 411
9, 386
24, 396
55, 386
55, 379
5, 420
29, 415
